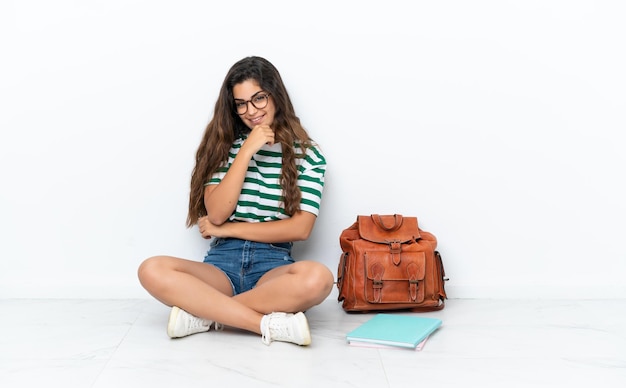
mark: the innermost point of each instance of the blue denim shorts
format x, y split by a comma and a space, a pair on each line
244, 262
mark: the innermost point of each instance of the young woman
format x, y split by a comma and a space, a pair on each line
256, 187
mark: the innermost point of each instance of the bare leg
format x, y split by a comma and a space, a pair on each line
290, 288
198, 288
204, 291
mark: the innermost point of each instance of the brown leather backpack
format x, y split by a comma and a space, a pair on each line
389, 263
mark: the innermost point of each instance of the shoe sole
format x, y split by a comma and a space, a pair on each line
304, 323
171, 322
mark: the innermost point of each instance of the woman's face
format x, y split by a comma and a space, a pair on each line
254, 105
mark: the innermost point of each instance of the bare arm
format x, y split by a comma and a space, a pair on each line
296, 228
220, 200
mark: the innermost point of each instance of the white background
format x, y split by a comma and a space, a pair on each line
499, 124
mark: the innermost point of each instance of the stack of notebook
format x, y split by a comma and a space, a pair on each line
391, 330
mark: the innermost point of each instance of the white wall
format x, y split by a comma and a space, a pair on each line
498, 123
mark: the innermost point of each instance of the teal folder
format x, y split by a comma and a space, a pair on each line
395, 330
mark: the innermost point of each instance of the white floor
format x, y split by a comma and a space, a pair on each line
482, 343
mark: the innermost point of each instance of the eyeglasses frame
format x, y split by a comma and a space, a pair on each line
238, 101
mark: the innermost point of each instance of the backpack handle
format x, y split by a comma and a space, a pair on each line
380, 222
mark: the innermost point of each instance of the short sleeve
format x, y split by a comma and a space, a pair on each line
312, 169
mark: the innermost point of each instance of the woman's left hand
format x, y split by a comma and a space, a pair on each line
205, 227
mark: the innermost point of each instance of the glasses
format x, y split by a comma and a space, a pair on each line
259, 101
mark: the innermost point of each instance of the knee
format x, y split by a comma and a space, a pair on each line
150, 271
318, 282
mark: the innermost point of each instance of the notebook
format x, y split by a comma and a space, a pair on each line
419, 346
406, 331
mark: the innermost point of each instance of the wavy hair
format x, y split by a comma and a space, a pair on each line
226, 126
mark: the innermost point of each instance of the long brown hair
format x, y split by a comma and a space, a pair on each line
226, 126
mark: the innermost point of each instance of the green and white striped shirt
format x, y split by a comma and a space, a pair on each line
261, 196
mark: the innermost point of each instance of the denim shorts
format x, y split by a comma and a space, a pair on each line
244, 262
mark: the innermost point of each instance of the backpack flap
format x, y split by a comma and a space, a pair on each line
400, 283
385, 229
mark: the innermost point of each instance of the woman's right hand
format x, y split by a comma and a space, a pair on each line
259, 135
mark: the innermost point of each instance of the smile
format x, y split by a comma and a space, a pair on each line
257, 120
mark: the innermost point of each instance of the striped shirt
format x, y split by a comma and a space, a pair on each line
261, 196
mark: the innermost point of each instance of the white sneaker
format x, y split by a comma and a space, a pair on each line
181, 324
285, 327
